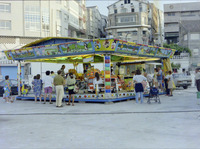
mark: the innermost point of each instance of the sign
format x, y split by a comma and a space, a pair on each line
77, 47
105, 44
22, 53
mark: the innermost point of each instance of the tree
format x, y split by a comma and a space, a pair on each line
175, 66
178, 48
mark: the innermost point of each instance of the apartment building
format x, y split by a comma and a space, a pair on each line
96, 23
174, 14
182, 26
22, 22
133, 20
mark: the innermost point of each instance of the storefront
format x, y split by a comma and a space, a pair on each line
106, 51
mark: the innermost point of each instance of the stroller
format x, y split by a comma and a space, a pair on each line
153, 95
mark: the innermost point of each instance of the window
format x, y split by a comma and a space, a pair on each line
65, 3
195, 51
195, 36
185, 37
144, 32
140, 7
59, 1
119, 33
132, 10
126, 19
5, 24
5, 7
134, 33
171, 14
58, 30
115, 11
58, 14
127, 1
32, 18
123, 10
65, 17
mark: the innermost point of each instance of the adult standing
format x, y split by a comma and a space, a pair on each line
149, 79
63, 71
59, 82
37, 83
71, 84
155, 81
197, 79
48, 82
170, 83
166, 83
138, 79
7, 88
159, 78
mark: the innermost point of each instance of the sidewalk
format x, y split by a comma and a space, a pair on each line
172, 124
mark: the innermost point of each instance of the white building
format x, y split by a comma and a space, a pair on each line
22, 22
133, 20
96, 23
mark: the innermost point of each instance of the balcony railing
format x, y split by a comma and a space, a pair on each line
181, 57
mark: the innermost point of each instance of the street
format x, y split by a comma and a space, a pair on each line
172, 124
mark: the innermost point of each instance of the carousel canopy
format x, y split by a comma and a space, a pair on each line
73, 50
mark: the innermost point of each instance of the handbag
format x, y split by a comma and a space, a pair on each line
76, 89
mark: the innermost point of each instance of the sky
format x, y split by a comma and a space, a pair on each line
102, 4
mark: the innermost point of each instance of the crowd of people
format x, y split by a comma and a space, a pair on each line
52, 82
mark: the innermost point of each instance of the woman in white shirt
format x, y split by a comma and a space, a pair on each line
170, 83
138, 79
96, 81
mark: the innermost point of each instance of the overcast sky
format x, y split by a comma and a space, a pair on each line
102, 4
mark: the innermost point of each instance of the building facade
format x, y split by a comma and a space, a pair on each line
96, 23
133, 20
22, 22
174, 14
182, 27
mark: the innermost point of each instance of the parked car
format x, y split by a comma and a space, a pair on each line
182, 80
14, 87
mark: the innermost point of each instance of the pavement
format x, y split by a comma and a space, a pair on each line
173, 124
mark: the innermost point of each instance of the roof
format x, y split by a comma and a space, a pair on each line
55, 50
51, 40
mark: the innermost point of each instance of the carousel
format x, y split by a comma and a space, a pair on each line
115, 86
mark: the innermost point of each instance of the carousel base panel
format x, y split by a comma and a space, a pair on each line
89, 98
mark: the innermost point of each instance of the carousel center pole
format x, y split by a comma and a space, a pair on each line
19, 77
107, 75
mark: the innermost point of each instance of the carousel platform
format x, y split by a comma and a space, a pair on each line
90, 98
